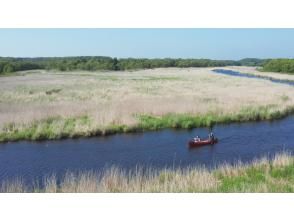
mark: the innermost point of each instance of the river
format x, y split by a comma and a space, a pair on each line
158, 149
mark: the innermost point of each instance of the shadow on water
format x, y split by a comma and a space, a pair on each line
238, 74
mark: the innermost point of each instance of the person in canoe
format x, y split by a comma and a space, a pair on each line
211, 136
197, 139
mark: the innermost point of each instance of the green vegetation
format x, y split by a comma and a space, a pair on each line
279, 65
186, 121
58, 127
263, 175
51, 128
10, 66
253, 62
93, 63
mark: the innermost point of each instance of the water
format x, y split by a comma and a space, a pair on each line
159, 149
236, 73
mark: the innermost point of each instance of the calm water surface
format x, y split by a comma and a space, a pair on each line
159, 149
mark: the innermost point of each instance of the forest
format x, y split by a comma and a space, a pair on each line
279, 65
93, 63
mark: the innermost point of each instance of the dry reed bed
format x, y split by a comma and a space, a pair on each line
115, 97
263, 175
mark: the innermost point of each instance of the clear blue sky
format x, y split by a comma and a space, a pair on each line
149, 43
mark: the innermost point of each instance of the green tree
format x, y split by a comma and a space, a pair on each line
8, 68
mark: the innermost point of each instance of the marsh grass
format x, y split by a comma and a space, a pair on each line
116, 102
84, 126
189, 121
263, 175
51, 128
15, 186
285, 98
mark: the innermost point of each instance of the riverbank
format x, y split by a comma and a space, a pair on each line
59, 128
263, 175
53, 105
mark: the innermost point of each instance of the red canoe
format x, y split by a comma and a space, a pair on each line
193, 143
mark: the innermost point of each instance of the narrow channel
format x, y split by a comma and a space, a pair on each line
158, 149
247, 75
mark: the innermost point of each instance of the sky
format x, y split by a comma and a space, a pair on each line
231, 44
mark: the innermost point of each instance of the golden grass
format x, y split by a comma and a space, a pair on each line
117, 180
116, 97
282, 160
15, 186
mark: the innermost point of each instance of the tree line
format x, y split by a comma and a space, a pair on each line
279, 65
93, 63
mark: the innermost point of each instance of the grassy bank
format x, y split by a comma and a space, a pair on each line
263, 175
58, 127
187, 121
